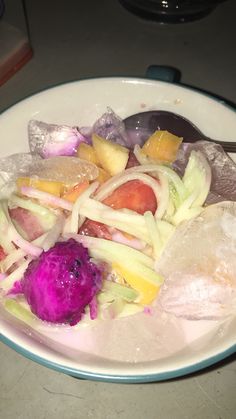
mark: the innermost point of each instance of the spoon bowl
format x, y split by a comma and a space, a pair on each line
141, 125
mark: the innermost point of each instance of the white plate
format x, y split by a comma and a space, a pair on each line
81, 103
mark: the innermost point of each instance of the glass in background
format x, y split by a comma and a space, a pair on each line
171, 11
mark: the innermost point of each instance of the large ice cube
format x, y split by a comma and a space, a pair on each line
12, 167
111, 127
223, 169
50, 140
69, 170
199, 266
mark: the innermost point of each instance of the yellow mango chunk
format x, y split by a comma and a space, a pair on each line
50, 186
87, 152
162, 146
112, 157
102, 175
72, 194
147, 291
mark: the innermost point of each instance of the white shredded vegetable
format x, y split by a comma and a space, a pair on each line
135, 243
166, 171
53, 235
133, 266
5, 240
140, 156
13, 257
17, 254
139, 173
74, 221
17, 239
123, 250
128, 222
46, 197
153, 233
128, 175
16, 275
31, 206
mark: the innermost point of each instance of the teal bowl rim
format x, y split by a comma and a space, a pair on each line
144, 378
116, 378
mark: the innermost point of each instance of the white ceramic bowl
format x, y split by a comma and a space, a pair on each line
81, 103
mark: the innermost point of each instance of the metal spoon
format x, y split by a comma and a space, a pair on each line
145, 123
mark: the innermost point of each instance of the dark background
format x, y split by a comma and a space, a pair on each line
75, 39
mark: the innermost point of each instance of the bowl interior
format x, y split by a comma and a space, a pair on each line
80, 104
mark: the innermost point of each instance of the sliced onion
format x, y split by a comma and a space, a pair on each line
12, 258
119, 180
166, 171
17, 239
134, 243
74, 227
18, 254
28, 247
153, 233
129, 174
54, 234
130, 222
27, 204
5, 240
163, 203
183, 208
161, 190
46, 197
120, 249
141, 157
8, 282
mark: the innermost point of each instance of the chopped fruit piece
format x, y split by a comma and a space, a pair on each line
103, 176
133, 195
2, 254
50, 186
95, 229
162, 146
72, 194
132, 161
87, 152
147, 290
112, 157
27, 223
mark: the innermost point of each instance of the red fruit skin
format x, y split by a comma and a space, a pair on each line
133, 195
95, 229
27, 222
2, 254
132, 161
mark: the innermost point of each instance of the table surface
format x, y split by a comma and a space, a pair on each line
78, 39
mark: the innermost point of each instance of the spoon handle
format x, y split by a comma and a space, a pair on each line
173, 75
228, 146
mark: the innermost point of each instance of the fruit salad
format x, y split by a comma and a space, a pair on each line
86, 219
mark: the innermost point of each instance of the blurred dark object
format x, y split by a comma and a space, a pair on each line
2, 8
171, 11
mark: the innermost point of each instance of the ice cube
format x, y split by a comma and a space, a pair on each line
53, 140
223, 185
14, 166
199, 266
111, 127
68, 170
